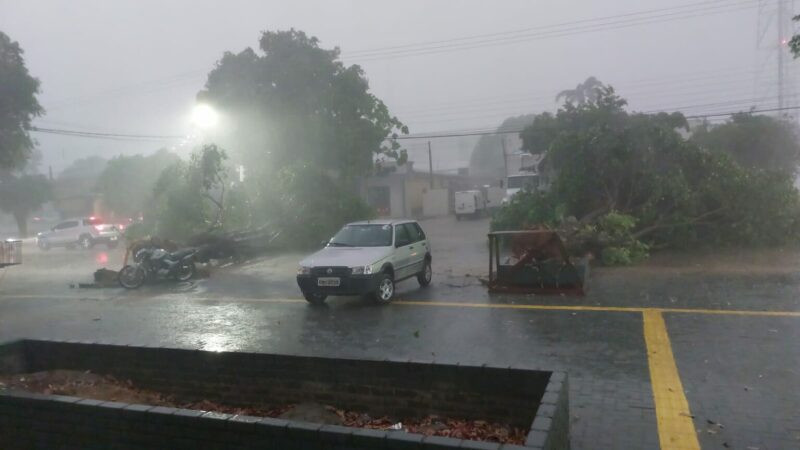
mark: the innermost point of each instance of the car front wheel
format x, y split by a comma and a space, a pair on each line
315, 298
385, 291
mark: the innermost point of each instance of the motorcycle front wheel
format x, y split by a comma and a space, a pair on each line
185, 271
131, 277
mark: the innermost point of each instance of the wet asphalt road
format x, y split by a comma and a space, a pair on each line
739, 371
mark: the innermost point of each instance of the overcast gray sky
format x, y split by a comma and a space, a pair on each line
135, 66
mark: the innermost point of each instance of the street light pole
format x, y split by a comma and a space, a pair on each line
430, 163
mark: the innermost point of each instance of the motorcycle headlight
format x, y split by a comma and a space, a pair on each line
303, 270
361, 270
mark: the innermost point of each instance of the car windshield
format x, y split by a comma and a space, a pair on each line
369, 235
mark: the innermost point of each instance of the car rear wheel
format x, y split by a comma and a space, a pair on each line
424, 277
385, 291
315, 298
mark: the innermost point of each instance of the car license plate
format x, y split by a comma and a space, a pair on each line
112, 238
328, 281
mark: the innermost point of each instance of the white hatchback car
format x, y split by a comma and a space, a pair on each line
367, 258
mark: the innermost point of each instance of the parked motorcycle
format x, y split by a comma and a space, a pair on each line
152, 263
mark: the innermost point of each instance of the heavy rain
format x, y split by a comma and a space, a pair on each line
357, 225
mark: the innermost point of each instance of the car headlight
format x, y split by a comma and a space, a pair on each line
361, 270
303, 270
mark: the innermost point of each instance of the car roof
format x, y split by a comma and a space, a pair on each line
382, 222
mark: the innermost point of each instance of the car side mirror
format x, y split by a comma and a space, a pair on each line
324, 243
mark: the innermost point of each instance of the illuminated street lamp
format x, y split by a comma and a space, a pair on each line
204, 117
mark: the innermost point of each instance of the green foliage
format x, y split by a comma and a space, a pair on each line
127, 182
586, 92
18, 105
310, 206
632, 181
306, 127
138, 230
622, 248
190, 196
794, 42
527, 210
22, 195
90, 167
297, 101
760, 142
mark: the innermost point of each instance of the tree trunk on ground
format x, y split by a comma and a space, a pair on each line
22, 223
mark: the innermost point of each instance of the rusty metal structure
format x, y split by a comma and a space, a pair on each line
533, 262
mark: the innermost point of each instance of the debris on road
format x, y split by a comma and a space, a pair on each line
105, 277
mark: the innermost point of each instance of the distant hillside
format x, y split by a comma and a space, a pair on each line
487, 156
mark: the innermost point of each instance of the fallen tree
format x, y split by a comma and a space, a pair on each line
625, 183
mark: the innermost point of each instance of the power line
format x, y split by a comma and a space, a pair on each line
674, 13
622, 87
504, 112
524, 30
740, 6
456, 133
142, 87
533, 105
99, 135
488, 132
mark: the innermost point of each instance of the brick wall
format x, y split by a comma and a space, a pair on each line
378, 387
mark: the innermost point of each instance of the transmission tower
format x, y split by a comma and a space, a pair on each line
775, 83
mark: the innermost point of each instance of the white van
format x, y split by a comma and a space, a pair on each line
470, 203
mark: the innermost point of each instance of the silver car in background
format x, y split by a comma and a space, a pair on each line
84, 232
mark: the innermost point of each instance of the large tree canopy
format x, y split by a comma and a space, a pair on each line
22, 195
586, 92
754, 141
18, 105
295, 101
127, 182
656, 185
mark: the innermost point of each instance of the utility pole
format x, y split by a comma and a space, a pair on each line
782, 39
774, 29
505, 155
430, 163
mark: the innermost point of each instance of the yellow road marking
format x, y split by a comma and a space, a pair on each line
675, 426
733, 312
516, 306
602, 308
